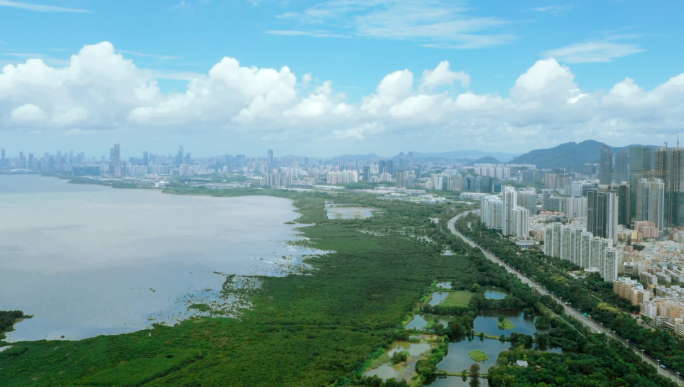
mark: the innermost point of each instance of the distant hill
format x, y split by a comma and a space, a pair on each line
369, 156
568, 155
460, 156
465, 155
485, 160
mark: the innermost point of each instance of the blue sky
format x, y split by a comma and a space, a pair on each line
596, 46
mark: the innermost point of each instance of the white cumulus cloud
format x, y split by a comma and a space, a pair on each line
27, 114
442, 75
100, 89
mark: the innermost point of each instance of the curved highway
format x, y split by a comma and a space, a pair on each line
588, 322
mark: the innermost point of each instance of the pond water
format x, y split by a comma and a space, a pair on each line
458, 360
87, 260
444, 285
438, 297
488, 322
413, 349
493, 293
420, 321
349, 212
387, 371
401, 371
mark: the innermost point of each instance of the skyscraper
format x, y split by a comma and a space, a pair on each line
606, 165
669, 167
410, 160
602, 213
528, 199
510, 201
146, 159
651, 201
270, 161
622, 166
639, 166
401, 178
624, 203
179, 157
116, 159
366, 174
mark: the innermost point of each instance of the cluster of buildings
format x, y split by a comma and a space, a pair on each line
636, 195
343, 177
504, 213
662, 305
574, 243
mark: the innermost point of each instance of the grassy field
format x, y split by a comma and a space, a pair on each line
459, 299
478, 355
505, 324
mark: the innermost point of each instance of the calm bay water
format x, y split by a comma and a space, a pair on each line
88, 260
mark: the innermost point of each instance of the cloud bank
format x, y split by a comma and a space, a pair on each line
101, 89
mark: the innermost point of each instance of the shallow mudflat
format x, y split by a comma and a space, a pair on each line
336, 212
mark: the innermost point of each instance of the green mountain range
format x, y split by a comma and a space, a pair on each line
568, 155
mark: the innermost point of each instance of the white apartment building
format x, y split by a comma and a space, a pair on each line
502, 212
582, 249
510, 202
491, 213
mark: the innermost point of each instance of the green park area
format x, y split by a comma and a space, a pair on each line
505, 324
459, 299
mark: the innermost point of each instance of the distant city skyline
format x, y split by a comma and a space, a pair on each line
138, 149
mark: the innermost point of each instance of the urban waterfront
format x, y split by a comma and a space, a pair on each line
87, 260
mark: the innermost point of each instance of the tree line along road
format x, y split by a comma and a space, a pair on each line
588, 322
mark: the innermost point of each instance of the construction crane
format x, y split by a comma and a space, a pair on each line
672, 135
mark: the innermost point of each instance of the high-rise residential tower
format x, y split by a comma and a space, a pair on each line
528, 199
639, 167
622, 166
510, 202
650, 204
606, 165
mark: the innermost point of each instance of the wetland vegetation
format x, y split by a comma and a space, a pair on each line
478, 355
301, 330
8, 319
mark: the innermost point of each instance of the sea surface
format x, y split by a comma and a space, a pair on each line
87, 260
